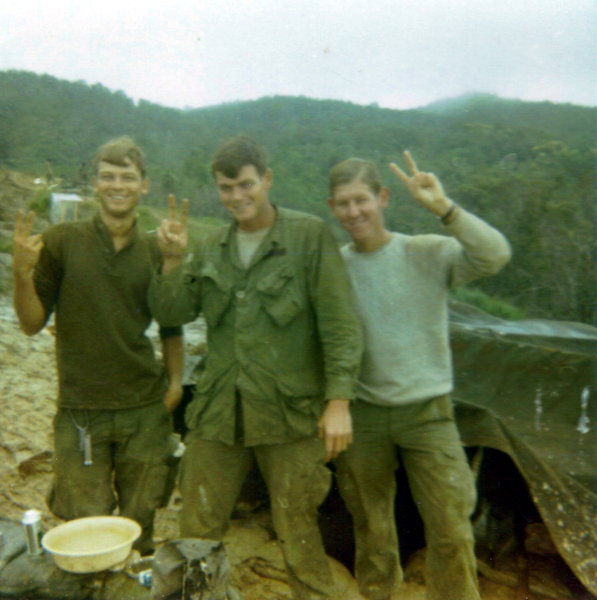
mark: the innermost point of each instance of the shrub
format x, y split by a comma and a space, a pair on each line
41, 202
489, 304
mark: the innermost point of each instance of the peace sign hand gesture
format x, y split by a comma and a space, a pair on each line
26, 247
172, 233
424, 187
173, 236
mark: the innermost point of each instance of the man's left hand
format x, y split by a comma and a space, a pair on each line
424, 187
173, 397
173, 236
335, 427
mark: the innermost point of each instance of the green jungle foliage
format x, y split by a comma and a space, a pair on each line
489, 304
528, 168
41, 202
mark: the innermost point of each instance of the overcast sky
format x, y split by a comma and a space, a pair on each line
397, 53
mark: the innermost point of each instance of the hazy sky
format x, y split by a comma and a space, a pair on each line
398, 53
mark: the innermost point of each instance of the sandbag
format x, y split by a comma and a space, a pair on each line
39, 577
192, 568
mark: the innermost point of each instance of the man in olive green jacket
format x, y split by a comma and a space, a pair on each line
284, 350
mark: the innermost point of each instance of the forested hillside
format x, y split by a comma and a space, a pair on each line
528, 168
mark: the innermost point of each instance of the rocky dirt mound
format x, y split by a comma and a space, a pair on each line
27, 390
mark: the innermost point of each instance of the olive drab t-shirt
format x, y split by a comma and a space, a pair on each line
99, 297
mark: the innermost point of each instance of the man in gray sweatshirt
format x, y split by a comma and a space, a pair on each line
401, 284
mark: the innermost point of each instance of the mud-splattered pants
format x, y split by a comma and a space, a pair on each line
212, 474
128, 470
441, 484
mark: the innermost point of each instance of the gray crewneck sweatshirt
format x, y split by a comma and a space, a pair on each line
402, 298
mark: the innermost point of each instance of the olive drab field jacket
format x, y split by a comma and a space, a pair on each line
283, 332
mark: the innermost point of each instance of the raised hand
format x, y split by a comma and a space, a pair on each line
424, 187
172, 234
26, 247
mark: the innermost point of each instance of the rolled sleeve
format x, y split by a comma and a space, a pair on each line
174, 299
168, 332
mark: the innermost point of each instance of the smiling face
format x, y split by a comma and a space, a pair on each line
246, 197
119, 189
360, 212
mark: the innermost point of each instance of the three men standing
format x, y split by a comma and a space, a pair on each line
284, 354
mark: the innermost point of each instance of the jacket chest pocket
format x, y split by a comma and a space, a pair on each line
281, 295
216, 291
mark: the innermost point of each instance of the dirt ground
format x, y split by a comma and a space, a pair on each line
27, 395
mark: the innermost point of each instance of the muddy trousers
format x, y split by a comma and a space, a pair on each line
441, 484
212, 474
129, 449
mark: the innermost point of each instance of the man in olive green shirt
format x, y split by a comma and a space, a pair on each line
112, 427
284, 348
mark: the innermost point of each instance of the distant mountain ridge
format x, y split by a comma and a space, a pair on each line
526, 167
546, 115
38, 106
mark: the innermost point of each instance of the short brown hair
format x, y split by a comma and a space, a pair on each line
355, 169
236, 153
122, 152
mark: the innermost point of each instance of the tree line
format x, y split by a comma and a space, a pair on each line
526, 167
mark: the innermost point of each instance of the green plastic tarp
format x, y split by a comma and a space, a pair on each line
519, 389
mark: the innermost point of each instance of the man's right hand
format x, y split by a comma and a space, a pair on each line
335, 427
173, 235
26, 247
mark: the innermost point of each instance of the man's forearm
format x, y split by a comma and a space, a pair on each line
171, 263
173, 350
28, 307
487, 250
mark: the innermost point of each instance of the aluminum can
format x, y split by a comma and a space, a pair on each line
32, 525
